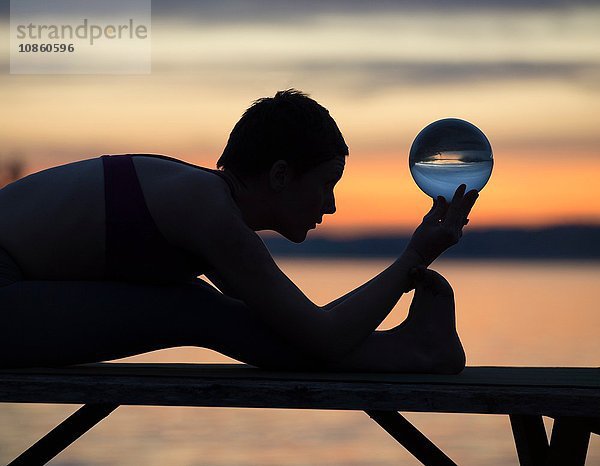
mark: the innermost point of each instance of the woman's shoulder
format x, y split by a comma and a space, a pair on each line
161, 161
175, 192
161, 175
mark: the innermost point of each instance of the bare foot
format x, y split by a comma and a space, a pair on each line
431, 326
426, 342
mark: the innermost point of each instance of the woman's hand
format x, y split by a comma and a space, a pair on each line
443, 224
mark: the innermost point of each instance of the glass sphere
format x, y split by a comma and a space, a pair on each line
448, 153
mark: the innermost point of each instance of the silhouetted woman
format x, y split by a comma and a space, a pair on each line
100, 258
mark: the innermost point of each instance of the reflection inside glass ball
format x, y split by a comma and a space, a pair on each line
448, 153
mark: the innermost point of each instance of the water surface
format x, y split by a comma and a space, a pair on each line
508, 313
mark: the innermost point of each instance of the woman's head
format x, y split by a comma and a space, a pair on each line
289, 126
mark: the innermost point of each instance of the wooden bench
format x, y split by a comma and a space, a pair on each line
571, 396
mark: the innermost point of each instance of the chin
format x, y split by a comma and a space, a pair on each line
296, 236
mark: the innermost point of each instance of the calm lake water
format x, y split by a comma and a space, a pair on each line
508, 313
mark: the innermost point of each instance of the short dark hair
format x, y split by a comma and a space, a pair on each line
289, 126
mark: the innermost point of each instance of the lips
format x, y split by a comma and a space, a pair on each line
317, 222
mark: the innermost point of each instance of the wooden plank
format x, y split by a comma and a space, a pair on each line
63, 435
530, 439
244, 387
576, 377
569, 442
411, 438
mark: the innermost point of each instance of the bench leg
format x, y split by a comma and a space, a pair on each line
569, 442
64, 434
411, 438
593, 424
530, 439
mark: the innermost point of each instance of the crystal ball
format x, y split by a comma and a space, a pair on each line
448, 153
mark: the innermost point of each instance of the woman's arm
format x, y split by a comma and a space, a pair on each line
341, 299
351, 293
244, 264
425, 238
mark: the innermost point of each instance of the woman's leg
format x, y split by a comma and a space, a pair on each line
46, 323
55, 323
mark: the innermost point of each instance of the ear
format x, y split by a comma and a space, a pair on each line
280, 175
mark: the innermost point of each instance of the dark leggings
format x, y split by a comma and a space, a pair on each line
58, 323
55, 323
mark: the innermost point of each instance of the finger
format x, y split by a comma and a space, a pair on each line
454, 215
416, 273
459, 193
468, 202
438, 211
441, 209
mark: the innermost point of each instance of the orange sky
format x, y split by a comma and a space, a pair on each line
528, 80
520, 192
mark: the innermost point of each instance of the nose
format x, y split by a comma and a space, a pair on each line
330, 205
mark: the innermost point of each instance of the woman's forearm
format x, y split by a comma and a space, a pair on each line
357, 314
341, 299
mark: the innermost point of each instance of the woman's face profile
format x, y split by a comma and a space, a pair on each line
309, 196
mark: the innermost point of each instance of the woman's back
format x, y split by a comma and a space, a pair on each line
54, 221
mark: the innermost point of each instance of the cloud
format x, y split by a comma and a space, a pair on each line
392, 74
376, 51
374, 76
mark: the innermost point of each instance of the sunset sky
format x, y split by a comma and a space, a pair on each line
528, 76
